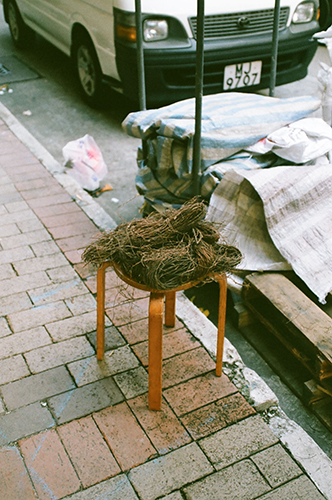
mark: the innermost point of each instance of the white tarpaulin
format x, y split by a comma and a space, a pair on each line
280, 218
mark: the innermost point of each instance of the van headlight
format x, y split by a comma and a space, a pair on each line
304, 13
155, 29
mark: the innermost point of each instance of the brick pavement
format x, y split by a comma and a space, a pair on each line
72, 427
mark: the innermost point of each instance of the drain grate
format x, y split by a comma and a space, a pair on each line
13, 70
3, 70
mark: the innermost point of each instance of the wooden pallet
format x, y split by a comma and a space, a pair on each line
302, 327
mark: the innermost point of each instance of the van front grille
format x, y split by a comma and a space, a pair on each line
240, 23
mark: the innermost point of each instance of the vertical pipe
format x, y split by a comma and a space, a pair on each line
140, 56
199, 94
275, 41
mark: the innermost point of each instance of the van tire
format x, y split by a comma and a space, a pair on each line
87, 69
21, 34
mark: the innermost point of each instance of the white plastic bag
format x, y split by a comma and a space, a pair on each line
85, 162
299, 142
324, 77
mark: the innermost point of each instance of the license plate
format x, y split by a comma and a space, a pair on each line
242, 75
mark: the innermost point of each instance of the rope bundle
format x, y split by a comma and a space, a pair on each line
164, 251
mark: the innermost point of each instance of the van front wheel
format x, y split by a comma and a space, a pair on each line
21, 34
88, 70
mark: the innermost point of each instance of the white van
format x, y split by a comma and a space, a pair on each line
100, 36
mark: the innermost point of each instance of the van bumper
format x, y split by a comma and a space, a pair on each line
170, 73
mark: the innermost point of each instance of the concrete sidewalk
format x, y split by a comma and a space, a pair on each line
72, 427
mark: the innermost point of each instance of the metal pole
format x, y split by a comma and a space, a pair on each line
199, 94
140, 56
275, 41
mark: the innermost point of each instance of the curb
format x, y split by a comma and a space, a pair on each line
301, 446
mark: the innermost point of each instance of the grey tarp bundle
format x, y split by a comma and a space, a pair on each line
280, 218
230, 122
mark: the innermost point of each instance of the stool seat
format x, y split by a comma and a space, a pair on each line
156, 315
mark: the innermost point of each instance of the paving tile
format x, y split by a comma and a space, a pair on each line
88, 451
162, 427
29, 238
37, 387
62, 273
74, 256
38, 315
86, 270
23, 422
64, 208
122, 293
17, 206
17, 343
18, 158
238, 441
13, 368
117, 488
16, 254
6, 271
9, 230
85, 400
50, 468
173, 496
128, 312
14, 480
112, 280
8, 305
4, 328
72, 326
76, 242
173, 343
35, 169
80, 304
137, 331
27, 226
48, 201
40, 263
56, 292
6, 185
64, 219
185, 366
217, 415
10, 196
52, 188
17, 216
298, 489
113, 338
90, 369
45, 248
276, 465
38, 182
74, 229
133, 382
23, 283
198, 392
58, 354
241, 481
170, 472
121, 430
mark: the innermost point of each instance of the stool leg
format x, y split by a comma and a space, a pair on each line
155, 349
101, 310
221, 323
170, 309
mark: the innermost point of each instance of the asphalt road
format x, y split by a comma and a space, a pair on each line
44, 98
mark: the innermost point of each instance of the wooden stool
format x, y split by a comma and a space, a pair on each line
156, 307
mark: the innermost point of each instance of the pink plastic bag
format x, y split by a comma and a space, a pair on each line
85, 162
